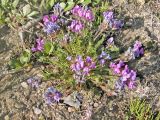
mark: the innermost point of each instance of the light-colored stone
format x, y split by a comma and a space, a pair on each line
37, 111
6, 117
24, 85
95, 105
70, 109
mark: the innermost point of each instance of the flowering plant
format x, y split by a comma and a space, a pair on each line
77, 46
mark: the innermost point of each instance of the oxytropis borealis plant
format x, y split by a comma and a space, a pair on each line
82, 67
83, 50
127, 77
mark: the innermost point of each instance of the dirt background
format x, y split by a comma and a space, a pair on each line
19, 102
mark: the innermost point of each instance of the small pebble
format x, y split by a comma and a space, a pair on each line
6, 117
24, 85
95, 105
37, 111
70, 109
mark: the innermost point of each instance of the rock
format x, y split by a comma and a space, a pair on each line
37, 111
72, 100
6, 117
24, 85
70, 109
17, 105
95, 105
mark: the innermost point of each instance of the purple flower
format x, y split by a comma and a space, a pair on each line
110, 40
117, 70
131, 84
103, 57
138, 49
49, 18
34, 82
51, 27
57, 96
80, 61
137, 44
133, 75
76, 26
127, 76
117, 67
119, 85
52, 95
88, 59
89, 63
45, 18
76, 9
88, 15
92, 65
102, 62
126, 70
53, 18
57, 6
86, 70
113, 23
116, 24
108, 16
78, 65
80, 13
82, 67
120, 64
39, 45
112, 65
83, 13
102, 54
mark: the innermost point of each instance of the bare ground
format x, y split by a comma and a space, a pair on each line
18, 102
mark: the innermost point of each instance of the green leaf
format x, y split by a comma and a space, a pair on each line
48, 48
42, 4
15, 64
96, 2
4, 2
114, 49
86, 2
51, 2
63, 5
100, 42
35, 1
69, 6
15, 3
26, 9
33, 13
25, 57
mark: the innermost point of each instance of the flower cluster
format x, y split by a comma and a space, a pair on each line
76, 26
138, 49
51, 18
52, 95
103, 57
50, 25
127, 76
113, 23
39, 45
34, 82
86, 14
81, 68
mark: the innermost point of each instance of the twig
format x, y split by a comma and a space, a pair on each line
101, 29
22, 29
